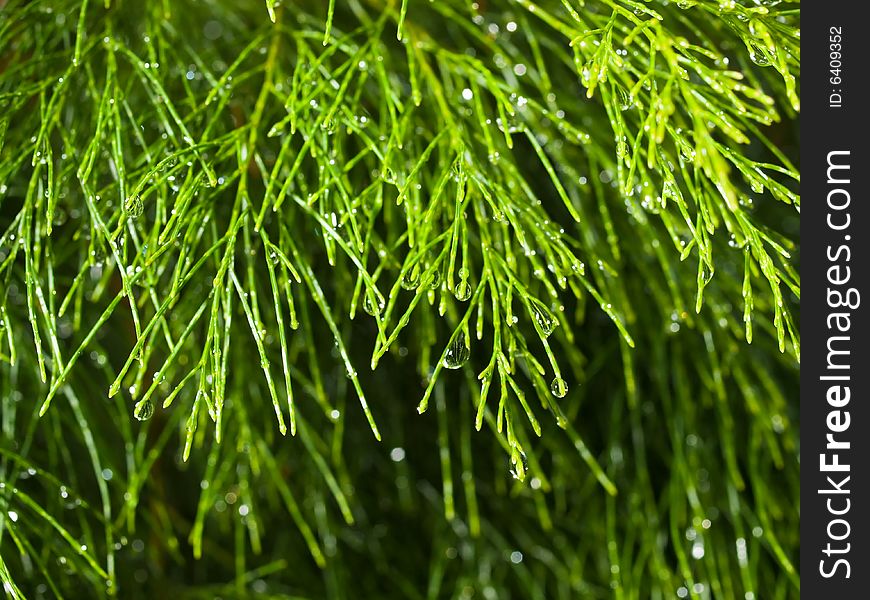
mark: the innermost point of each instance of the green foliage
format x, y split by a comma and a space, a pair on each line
242, 244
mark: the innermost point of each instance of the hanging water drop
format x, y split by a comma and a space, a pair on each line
144, 410
134, 206
706, 273
545, 320
519, 465
626, 100
756, 186
434, 279
373, 307
621, 149
687, 153
559, 388
759, 55
411, 279
462, 290
458, 352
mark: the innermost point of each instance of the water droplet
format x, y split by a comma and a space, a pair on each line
544, 319
756, 186
134, 206
144, 411
373, 307
759, 55
520, 467
687, 154
559, 387
626, 100
706, 273
621, 149
411, 279
458, 353
434, 279
462, 291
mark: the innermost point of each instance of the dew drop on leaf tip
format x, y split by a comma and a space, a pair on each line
559, 387
373, 307
544, 318
458, 353
144, 411
759, 56
134, 206
462, 291
519, 466
411, 280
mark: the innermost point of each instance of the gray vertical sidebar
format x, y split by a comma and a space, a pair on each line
835, 426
